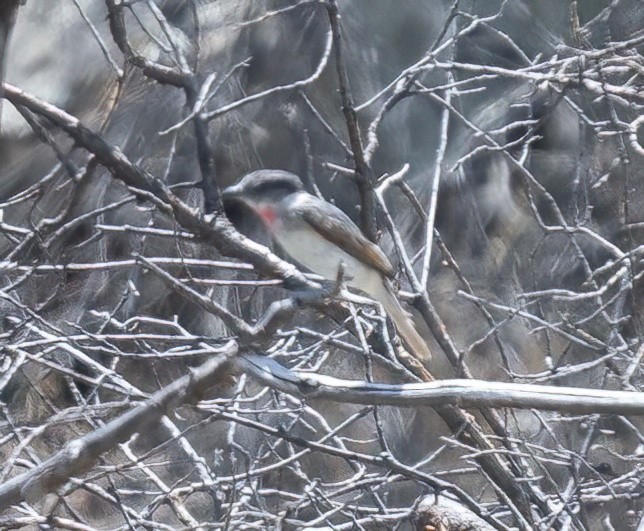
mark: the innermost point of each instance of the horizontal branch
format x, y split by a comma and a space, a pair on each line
10, 267
79, 455
472, 394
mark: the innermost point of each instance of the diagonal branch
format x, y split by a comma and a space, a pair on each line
215, 229
79, 455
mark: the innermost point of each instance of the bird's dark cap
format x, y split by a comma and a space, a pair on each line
266, 179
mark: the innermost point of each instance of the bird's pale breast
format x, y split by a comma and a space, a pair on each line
319, 255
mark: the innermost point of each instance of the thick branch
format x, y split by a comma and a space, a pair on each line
471, 394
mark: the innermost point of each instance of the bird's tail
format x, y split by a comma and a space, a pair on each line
402, 320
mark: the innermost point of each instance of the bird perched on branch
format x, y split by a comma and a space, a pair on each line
321, 237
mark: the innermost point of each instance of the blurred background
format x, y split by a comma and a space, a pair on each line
523, 118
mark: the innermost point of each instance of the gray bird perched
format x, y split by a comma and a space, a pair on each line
320, 236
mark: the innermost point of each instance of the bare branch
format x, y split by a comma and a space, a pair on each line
470, 394
363, 173
79, 455
215, 229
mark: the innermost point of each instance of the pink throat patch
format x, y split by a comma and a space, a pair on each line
268, 214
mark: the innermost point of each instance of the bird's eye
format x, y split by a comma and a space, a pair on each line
263, 187
273, 187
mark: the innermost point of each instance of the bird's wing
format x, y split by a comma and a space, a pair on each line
337, 227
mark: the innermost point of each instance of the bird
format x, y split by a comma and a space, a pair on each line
322, 238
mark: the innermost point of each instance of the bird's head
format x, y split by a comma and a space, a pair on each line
262, 191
